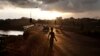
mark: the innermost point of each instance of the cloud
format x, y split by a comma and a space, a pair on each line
4, 3
74, 5
58, 5
49, 1
21, 3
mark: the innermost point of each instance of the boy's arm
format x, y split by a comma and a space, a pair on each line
55, 38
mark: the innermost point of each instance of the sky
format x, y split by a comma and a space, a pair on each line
49, 9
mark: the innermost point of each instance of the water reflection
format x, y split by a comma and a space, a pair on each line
11, 32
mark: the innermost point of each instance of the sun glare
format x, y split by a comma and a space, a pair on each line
47, 14
36, 13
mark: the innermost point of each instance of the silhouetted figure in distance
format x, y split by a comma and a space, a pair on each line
51, 39
26, 34
30, 20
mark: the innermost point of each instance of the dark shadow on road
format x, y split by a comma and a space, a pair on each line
50, 52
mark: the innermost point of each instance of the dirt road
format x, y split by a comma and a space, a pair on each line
67, 44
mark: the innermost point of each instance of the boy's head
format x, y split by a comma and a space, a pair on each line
51, 28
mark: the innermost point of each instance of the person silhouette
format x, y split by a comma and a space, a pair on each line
51, 38
30, 20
